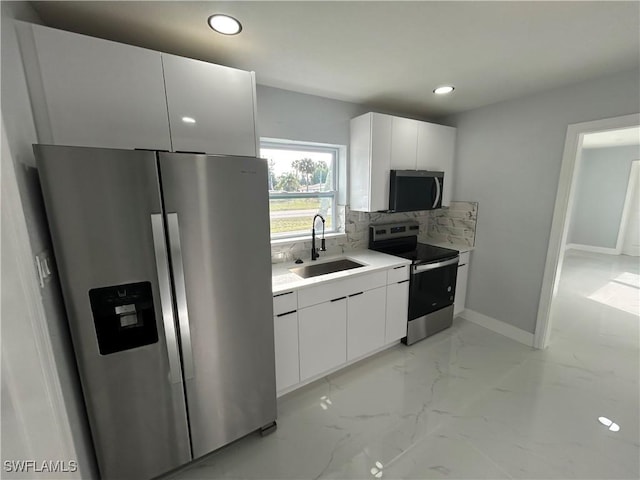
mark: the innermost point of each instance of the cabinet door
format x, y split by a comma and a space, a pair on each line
323, 337
461, 289
369, 159
365, 322
286, 347
92, 92
211, 107
397, 311
404, 141
435, 151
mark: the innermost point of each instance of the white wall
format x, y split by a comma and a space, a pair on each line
508, 160
601, 188
69, 413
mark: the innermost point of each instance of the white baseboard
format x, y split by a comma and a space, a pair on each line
498, 326
591, 248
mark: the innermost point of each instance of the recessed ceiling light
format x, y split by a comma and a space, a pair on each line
443, 90
614, 427
224, 24
188, 120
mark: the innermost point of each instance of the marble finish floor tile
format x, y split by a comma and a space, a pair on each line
469, 403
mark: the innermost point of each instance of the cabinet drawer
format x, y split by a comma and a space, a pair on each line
464, 258
397, 274
285, 302
340, 288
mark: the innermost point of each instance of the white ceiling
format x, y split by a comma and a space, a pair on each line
612, 138
388, 55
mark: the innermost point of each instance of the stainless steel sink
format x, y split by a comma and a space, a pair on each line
314, 270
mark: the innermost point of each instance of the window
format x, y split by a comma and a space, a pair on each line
302, 183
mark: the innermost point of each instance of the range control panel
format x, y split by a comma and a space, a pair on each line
393, 230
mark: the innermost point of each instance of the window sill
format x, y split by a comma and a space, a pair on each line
307, 238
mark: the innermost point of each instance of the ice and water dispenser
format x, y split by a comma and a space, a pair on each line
123, 316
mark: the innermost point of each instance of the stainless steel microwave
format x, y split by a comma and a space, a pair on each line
413, 190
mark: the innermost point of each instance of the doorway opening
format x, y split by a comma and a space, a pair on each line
568, 194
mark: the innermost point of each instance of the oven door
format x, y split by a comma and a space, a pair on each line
432, 287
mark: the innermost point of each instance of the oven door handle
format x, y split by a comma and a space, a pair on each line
433, 266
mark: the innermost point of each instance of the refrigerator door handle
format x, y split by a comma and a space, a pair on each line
181, 294
164, 284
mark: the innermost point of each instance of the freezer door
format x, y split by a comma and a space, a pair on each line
218, 226
104, 212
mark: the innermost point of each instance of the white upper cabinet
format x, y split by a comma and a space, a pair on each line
370, 162
211, 107
91, 92
404, 139
380, 143
435, 152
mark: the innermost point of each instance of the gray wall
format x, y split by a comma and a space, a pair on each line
296, 116
601, 188
508, 159
20, 132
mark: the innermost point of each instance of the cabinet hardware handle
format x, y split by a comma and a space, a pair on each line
461, 265
338, 299
281, 294
401, 266
404, 281
287, 313
356, 294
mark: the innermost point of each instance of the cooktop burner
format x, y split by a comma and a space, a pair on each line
422, 253
401, 240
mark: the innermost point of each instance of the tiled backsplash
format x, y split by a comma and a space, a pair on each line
356, 234
455, 225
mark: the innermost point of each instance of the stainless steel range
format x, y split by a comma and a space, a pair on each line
433, 277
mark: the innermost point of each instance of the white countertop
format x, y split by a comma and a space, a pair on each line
282, 279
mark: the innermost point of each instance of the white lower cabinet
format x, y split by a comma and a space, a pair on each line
461, 283
397, 311
326, 326
365, 322
323, 337
285, 328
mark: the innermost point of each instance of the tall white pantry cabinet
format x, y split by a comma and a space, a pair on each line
380, 143
92, 92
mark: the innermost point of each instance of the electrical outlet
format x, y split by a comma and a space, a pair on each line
43, 265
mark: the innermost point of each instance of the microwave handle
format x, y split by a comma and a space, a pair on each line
438, 192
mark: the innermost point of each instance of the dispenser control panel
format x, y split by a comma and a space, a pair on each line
123, 316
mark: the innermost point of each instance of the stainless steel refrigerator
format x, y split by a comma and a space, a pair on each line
164, 261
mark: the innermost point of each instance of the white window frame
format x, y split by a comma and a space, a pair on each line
335, 150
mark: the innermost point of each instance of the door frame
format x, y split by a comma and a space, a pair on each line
631, 186
565, 197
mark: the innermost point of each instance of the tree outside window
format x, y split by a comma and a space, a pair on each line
301, 184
